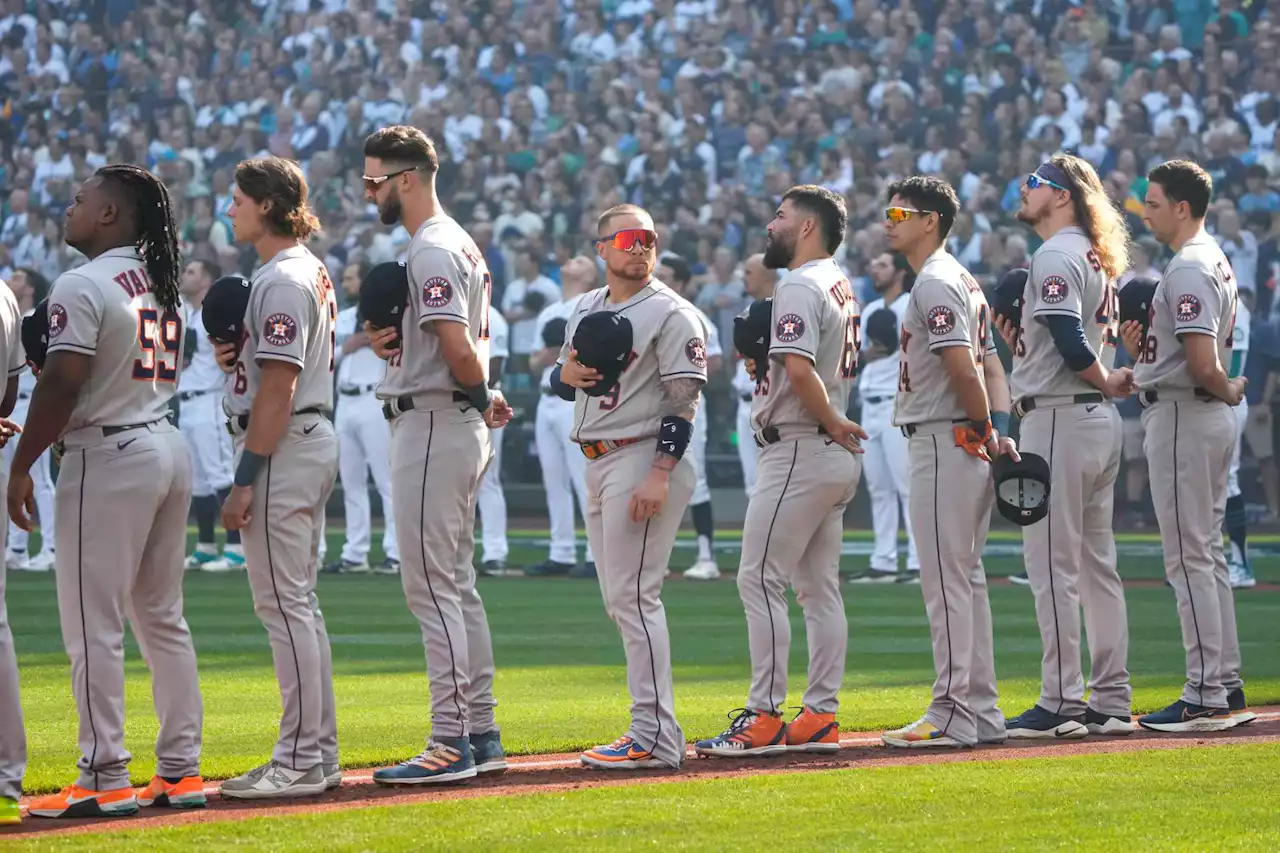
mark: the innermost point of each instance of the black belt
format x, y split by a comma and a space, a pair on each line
109, 431
874, 400
392, 409
184, 396
771, 435
911, 429
547, 392
1028, 404
357, 391
243, 420
1149, 397
746, 398
24, 395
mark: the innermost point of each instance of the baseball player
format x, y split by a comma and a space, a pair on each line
885, 464
1236, 519
441, 408
286, 462
952, 405
204, 426
635, 433
363, 436
675, 271
758, 281
491, 502
564, 467
1191, 433
1063, 384
13, 736
808, 472
113, 363
24, 286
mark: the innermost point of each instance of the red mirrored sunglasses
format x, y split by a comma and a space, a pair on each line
625, 240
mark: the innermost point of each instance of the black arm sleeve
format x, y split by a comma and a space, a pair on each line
1068, 337
563, 391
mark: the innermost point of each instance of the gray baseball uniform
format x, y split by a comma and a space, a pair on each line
440, 447
794, 527
1189, 443
951, 497
1071, 554
13, 737
618, 433
120, 449
290, 318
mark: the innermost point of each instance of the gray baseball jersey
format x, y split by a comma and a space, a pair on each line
794, 525
947, 309
13, 738
1197, 295
291, 314
120, 449
815, 315
439, 452
1066, 279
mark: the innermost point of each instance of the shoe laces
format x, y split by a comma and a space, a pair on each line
435, 749
623, 742
742, 719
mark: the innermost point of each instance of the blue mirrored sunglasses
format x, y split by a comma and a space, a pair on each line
1034, 182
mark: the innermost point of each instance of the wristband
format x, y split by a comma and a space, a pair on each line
674, 435
562, 389
1000, 422
479, 396
247, 471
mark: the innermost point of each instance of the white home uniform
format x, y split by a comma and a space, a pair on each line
491, 502
1239, 355
203, 424
42, 477
698, 441
364, 446
563, 465
745, 387
884, 463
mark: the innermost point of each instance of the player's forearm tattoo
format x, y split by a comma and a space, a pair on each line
680, 397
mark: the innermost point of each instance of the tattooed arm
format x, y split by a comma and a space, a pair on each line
680, 397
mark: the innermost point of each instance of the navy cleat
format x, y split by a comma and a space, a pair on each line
1185, 717
1039, 724
487, 753
446, 760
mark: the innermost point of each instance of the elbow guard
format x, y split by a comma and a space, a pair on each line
674, 435
1068, 337
563, 391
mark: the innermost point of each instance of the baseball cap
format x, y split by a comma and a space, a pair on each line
1022, 488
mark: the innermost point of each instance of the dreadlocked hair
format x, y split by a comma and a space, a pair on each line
157, 237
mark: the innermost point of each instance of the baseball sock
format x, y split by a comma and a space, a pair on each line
233, 536
206, 511
705, 526
1237, 530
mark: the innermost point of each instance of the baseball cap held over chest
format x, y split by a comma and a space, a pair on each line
1135, 300
384, 295
603, 342
1007, 301
752, 330
35, 335
1022, 488
224, 308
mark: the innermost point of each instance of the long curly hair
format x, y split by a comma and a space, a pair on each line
1095, 213
156, 233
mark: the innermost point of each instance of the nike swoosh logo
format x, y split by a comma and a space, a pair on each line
307, 430
122, 445
1195, 715
1090, 408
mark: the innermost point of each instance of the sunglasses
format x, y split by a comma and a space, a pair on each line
1034, 182
625, 240
371, 183
902, 214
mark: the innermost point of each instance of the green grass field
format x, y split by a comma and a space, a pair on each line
561, 687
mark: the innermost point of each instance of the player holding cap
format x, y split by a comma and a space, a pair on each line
1063, 384
1191, 433
437, 397
953, 406
634, 432
808, 472
758, 282
114, 357
287, 459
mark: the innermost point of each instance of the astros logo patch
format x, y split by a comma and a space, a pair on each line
790, 328
437, 292
1054, 289
696, 352
280, 330
941, 320
57, 319
1188, 308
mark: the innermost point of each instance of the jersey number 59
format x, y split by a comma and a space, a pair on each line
160, 339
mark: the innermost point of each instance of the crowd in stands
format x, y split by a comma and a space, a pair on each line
703, 111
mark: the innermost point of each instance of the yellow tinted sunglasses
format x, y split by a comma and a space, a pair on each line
902, 214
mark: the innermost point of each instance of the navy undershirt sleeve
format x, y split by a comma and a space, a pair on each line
1068, 337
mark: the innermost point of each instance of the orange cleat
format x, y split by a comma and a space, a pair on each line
813, 732
186, 793
752, 733
74, 801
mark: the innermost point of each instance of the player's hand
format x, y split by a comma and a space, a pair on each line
577, 375
381, 340
8, 429
499, 414
226, 355
1260, 415
235, 509
1120, 383
1008, 331
22, 499
1002, 445
1237, 387
647, 500
750, 365
847, 434
1131, 334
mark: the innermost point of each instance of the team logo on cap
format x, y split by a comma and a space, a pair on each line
57, 319
790, 328
941, 320
1188, 308
437, 292
1054, 289
696, 352
280, 330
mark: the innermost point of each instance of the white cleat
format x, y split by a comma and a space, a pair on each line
42, 562
17, 561
703, 570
